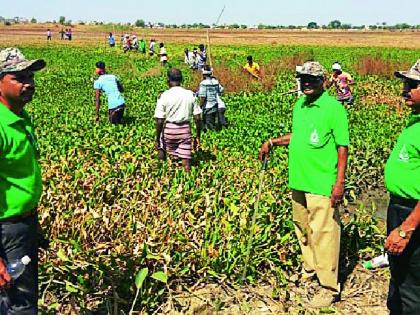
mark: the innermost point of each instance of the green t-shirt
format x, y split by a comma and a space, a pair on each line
402, 170
318, 128
20, 173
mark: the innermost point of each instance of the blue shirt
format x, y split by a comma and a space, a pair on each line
108, 84
111, 40
210, 88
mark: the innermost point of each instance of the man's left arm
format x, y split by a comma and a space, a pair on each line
338, 189
97, 102
395, 244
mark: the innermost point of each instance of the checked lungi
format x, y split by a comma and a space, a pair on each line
177, 139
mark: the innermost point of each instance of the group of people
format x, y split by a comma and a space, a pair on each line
318, 147
197, 58
64, 34
128, 43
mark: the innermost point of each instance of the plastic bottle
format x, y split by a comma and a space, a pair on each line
16, 267
377, 262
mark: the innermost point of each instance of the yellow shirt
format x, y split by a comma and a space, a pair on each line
254, 69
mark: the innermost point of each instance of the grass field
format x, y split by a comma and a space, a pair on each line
110, 209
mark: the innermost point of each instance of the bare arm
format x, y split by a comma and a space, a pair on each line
413, 220
197, 120
338, 189
120, 87
266, 147
97, 103
159, 128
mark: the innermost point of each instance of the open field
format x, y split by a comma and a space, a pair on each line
91, 35
110, 209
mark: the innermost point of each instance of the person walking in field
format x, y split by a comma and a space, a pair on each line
174, 110
135, 43
252, 68
318, 146
126, 43
342, 82
402, 179
163, 54
49, 34
209, 92
111, 86
202, 57
111, 40
142, 46
152, 47
20, 182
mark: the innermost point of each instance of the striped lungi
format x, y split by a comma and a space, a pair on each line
177, 139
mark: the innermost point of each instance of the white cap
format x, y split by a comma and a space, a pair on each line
26, 260
336, 66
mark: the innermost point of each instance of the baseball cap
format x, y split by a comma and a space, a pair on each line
100, 65
12, 60
312, 68
413, 73
336, 66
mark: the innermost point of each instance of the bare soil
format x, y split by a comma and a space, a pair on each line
86, 34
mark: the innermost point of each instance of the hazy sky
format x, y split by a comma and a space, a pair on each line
274, 12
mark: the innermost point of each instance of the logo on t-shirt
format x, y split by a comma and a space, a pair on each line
314, 137
403, 156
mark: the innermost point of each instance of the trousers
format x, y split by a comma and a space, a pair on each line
317, 228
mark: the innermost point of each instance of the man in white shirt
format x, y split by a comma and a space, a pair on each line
174, 110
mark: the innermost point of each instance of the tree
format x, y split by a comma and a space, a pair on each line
140, 23
33, 20
334, 24
62, 20
312, 25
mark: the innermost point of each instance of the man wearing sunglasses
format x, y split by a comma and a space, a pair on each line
317, 165
402, 179
20, 182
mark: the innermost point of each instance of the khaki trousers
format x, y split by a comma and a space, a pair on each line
318, 230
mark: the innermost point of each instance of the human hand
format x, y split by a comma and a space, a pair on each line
196, 144
265, 150
337, 194
395, 244
5, 278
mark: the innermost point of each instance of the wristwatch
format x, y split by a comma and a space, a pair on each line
404, 234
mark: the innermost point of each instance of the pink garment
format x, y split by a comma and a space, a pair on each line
341, 83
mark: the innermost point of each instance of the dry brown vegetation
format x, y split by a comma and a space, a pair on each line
375, 65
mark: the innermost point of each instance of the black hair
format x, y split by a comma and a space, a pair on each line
249, 58
175, 75
100, 65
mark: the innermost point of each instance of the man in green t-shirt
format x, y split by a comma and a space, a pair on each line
402, 179
317, 164
20, 182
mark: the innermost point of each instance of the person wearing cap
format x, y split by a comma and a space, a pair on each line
342, 82
112, 87
20, 182
209, 92
318, 146
402, 180
252, 68
174, 110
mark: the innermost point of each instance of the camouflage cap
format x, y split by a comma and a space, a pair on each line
313, 68
413, 73
12, 60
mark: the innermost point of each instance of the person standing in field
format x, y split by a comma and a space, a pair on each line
135, 43
209, 92
188, 57
142, 46
126, 43
111, 40
402, 179
152, 47
195, 59
252, 68
174, 110
112, 87
49, 34
62, 33
163, 54
20, 182
318, 146
342, 82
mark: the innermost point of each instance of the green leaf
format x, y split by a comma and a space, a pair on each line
141, 275
160, 276
71, 288
62, 255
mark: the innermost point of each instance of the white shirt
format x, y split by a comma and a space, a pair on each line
177, 105
162, 54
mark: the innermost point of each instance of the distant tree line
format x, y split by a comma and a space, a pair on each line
333, 25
